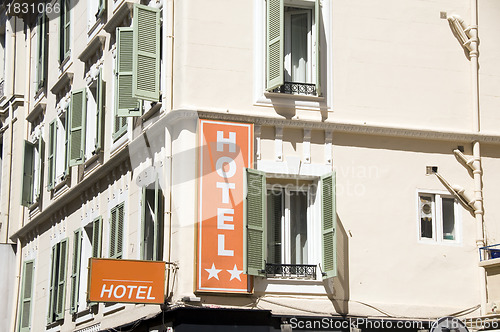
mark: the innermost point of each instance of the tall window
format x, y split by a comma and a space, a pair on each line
2, 58
282, 238
57, 149
57, 291
65, 30
26, 296
293, 47
94, 117
32, 172
42, 49
438, 218
152, 222
288, 220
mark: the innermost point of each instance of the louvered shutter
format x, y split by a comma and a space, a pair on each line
112, 234
53, 283
126, 104
317, 22
61, 279
28, 167
101, 88
255, 222
75, 271
146, 65
328, 226
51, 159
274, 44
39, 173
96, 237
119, 231
26, 296
77, 121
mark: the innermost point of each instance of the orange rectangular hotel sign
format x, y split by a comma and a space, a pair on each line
226, 149
131, 281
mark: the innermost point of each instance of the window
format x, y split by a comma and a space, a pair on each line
288, 224
57, 160
152, 222
95, 9
137, 65
95, 111
64, 30
283, 226
292, 46
57, 290
116, 232
438, 217
2, 58
32, 172
42, 49
26, 296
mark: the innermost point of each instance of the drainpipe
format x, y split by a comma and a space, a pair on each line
476, 149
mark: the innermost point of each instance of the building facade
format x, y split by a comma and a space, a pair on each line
293, 161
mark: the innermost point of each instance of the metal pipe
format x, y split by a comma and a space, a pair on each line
472, 31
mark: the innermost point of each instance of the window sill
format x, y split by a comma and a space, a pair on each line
92, 163
271, 95
61, 187
83, 316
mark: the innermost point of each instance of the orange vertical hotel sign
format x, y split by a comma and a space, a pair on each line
226, 148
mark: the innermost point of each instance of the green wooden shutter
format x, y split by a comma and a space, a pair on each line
97, 237
39, 175
26, 296
329, 223
255, 222
126, 104
274, 44
28, 168
112, 234
101, 88
317, 22
67, 133
75, 271
61, 279
51, 159
53, 282
119, 231
77, 121
146, 64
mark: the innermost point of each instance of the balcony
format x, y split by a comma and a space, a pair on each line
291, 271
297, 89
2, 85
489, 252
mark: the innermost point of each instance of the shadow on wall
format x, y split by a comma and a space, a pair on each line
338, 288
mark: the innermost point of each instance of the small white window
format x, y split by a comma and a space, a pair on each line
438, 216
61, 149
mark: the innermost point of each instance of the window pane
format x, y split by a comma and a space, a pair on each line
448, 219
298, 227
426, 207
274, 222
149, 220
299, 30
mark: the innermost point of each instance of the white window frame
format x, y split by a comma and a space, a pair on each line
313, 221
61, 149
91, 119
437, 218
311, 51
260, 96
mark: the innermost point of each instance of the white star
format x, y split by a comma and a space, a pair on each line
213, 272
235, 273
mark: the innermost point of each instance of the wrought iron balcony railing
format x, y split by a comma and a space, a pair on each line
296, 271
297, 88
